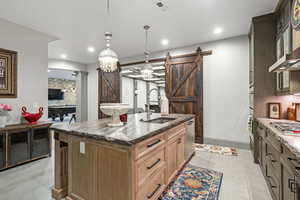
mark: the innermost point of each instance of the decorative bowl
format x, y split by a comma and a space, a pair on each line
114, 110
32, 118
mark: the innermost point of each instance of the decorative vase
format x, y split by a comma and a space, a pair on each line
3, 121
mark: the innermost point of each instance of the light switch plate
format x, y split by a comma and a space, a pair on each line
82, 147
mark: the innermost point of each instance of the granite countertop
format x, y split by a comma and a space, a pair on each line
133, 132
292, 142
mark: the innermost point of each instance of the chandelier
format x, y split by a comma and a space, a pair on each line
147, 68
108, 59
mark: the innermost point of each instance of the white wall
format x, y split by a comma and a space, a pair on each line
66, 65
127, 91
225, 87
226, 90
92, 92
32, 48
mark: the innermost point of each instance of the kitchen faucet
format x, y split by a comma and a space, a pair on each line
148, 102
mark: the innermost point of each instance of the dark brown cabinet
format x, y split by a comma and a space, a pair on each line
19, 146
40, 142
2, 150
22, 143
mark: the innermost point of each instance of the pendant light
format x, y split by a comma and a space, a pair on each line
147, 69
108, 59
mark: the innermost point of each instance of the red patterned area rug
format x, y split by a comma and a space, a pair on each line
227, 151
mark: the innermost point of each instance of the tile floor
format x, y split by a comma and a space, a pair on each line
242, 179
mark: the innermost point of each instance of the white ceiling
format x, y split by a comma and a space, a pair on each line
79, 24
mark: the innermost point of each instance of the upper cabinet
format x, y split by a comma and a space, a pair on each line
287, 50
283, 45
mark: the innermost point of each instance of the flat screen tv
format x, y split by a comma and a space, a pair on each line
55, 94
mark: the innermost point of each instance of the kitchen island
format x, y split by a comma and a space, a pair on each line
133, 162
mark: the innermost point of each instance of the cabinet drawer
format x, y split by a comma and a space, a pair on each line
149, 145
149, 164
154, 187
173, 132
274, 141
261, 131
290, 159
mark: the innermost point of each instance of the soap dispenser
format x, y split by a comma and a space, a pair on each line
164, 102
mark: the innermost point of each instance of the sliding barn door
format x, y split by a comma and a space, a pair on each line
184, 87
109, 88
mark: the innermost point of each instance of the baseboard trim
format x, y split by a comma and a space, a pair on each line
227, 143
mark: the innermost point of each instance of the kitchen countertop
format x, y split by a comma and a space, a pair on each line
292, 142
133, 132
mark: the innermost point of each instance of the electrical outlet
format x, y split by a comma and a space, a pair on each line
82, 147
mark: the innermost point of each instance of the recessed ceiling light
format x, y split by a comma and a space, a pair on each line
218, 30
63, 56
91, 49
165, 42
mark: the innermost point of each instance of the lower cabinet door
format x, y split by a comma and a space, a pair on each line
180, 151
288, 185
40, 142
2, 150
171, 158
18, 147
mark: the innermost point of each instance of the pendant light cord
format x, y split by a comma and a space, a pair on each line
108, 7
146, 43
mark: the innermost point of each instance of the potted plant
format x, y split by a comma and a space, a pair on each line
4, 109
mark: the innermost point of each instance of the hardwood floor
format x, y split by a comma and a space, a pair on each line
242, 178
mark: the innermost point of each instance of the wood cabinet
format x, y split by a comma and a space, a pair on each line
262, 38
18, 146
280, 166
99, 170
23, 143
172, 158
288, 183
2, 150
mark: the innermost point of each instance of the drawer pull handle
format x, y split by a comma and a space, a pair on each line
151, 166
291, 159
271, 158
154, 143
292, 185
153, 193
270, 181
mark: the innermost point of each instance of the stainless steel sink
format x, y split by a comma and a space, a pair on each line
159, 120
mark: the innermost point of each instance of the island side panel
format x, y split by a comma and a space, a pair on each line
102, 172
60, 189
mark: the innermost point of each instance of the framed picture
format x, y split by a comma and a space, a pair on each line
8, 74
297, 111
274, 110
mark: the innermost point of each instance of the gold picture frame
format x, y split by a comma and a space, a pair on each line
274, 110
8, 73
